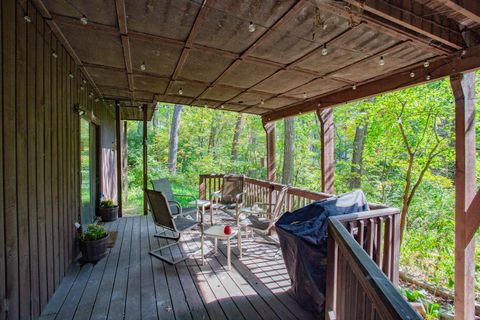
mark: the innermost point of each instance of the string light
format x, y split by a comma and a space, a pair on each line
319, 104
262, 102
54, 54
180, 91
354, 87
82, 87
27, 18
84, 81
222, 106
412, 74
324, 50
84, 20
143, 67
428, 77
96, 99
381, 62
304, 95
426, 64
464, 52
71, 76
252, 27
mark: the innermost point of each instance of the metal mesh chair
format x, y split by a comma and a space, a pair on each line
164, 186
230, 197
162, 217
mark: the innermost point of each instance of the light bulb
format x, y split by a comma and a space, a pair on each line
251, 27
143, 67
304, 95
354, 87
82, 87
222, 106
464, 52
428, 77
426, 64
71, 76
412, 74
27, 19
96, 99
324, 50
84, 20
180, 91
381, 61
262, 102
84, 81
54, 54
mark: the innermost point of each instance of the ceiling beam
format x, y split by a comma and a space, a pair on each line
127, 56
197, 23
396, 80
413, 18
385, 26
42, 8
468, 8
280, 22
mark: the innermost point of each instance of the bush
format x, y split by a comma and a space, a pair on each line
93, 232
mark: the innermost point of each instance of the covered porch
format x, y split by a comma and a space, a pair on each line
108, 61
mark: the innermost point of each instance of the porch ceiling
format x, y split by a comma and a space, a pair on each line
202, 53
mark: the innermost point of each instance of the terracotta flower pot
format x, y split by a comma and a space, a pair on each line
108, 213
92, 251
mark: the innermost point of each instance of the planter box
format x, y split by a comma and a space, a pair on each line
92, 251
108, 214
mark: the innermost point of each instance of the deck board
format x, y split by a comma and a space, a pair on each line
130, 284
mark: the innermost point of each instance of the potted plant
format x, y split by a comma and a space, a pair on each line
108, 211
93, 242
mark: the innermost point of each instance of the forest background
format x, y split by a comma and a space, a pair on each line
398, 148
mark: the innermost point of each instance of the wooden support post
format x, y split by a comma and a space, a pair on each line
463, 87
325, 117
145, 167
119, 156
271, 165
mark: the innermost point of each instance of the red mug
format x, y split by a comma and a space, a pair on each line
227, 230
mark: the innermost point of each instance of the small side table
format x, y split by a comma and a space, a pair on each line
216, 232
201, 205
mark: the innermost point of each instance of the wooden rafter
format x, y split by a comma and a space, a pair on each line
40, 5
468, 8
394, 80
281, 21
122, 25
406, 17
385, 26
197, 23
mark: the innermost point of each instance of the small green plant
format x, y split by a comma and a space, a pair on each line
93, 232
413, 295
107, 203
432, 310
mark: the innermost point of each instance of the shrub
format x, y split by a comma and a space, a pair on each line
107, 203
93, 232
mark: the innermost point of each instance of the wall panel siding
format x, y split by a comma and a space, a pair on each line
40, 161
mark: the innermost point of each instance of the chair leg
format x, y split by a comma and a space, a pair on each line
229, 256
164, 258
161, 235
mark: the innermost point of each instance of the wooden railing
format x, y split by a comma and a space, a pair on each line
361, 246
356, 286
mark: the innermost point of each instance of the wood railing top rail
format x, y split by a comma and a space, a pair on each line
367, 215
387, 300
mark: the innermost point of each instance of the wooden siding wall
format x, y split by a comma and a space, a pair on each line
39, 176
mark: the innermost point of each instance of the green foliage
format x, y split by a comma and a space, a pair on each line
107, 203
432, 310
93, 232
413, 295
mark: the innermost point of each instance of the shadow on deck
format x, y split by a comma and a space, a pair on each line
130, 284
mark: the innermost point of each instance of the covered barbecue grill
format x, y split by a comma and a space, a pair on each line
303, 239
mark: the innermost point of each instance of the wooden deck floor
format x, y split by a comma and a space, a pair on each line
130, 284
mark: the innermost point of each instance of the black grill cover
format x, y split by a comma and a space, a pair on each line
303, 235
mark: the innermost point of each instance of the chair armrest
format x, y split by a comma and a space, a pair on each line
237, 197
216, 194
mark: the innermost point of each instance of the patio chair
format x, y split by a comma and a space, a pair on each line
164, 186
263, 226
163, 217
230, 197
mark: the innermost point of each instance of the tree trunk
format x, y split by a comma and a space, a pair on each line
357, 156
173, 146
155, 123
288, 151
213, 135
236, 136
125, 162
